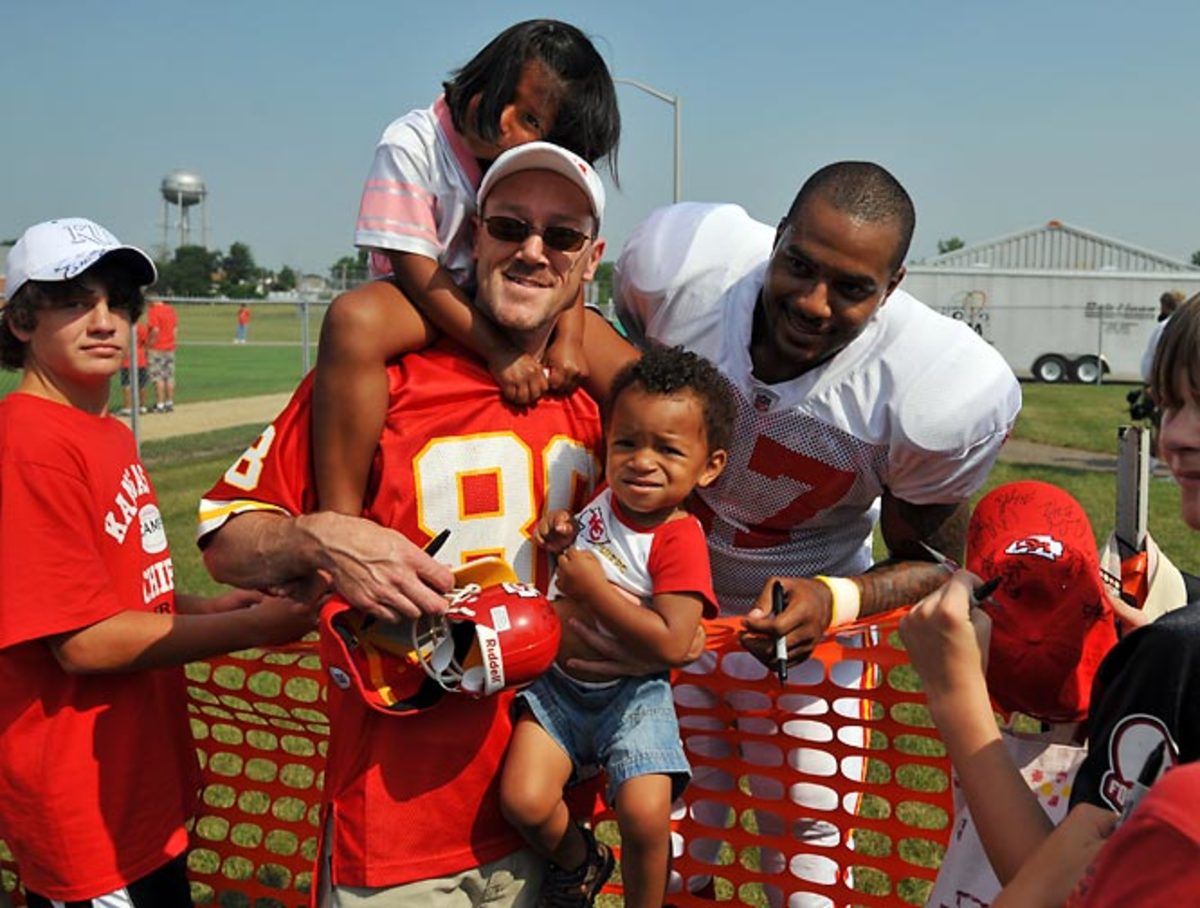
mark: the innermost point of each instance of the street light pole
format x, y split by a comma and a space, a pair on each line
676, 102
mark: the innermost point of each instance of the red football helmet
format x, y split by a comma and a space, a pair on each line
491, 638
498, 633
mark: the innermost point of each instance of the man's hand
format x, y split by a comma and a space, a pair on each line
803, 621
521, 378
555, 531
578, 574
376, 569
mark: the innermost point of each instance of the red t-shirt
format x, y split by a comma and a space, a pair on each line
97, 772
143, 333
165, 319
1154, 858
243, 316
416, 797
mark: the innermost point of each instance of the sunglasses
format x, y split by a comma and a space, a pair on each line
514, 230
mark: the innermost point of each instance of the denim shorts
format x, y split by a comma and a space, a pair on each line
628, 728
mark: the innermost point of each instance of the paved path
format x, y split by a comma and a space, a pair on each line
205, 416
219, 414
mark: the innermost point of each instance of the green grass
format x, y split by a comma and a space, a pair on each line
1073, 416
209, 367
182, 470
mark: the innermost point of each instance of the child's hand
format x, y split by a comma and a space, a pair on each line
947, 639
282, 620
578, 574
555, 531
566, 362
521, 378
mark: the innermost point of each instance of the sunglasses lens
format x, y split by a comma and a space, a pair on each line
564, 239
514, 230
507, 230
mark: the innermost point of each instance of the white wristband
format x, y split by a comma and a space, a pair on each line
847, 599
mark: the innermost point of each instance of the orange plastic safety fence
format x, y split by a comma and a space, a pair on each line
834, 785
793, 787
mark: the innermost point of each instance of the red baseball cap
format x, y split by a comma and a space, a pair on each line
1051, 620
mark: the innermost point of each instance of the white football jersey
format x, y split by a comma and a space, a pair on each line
918, 404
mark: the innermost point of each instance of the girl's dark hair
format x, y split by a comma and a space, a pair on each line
670, 370
34, 296
588, 121
1177, 358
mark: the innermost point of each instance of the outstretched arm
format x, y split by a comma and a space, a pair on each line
813, 606
946, 639
376, 569
135, 641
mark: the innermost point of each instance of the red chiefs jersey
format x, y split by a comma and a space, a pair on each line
416, 797
98, 773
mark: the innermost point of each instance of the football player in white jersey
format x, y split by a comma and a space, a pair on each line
856, 402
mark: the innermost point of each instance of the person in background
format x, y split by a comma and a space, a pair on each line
143, 335
163, 322
243, 324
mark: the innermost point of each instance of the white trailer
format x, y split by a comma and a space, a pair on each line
1059, 303
1054, 326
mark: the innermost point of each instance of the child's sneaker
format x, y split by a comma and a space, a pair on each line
578, 888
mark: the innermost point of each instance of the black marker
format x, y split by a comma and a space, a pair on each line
981, 593
1146, 778
778, 600
431, 547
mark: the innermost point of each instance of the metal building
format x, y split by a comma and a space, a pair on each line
1059, 302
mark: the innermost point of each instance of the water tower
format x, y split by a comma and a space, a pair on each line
183, 189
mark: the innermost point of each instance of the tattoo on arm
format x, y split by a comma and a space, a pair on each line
908, 573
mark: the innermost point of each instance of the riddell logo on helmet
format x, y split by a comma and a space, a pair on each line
1042, 546
495, 665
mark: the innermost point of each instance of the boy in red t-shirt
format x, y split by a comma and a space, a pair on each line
98, 774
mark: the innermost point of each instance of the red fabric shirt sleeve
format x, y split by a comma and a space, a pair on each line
679, 562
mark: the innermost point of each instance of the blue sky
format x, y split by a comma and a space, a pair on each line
996, 116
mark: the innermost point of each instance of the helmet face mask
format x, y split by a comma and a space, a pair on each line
497, 634
490, 639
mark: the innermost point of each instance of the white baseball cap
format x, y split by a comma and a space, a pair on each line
64, 248
546, 156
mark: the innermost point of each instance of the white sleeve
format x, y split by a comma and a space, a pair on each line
951, 422
397, 211
676, 265
1156, 334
